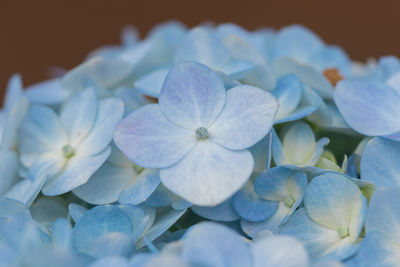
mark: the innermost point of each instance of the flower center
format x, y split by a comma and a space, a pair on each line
201, 133
68, 151
343, 231
289, 201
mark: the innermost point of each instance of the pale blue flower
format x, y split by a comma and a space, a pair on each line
71, 146
198, 134
332, 218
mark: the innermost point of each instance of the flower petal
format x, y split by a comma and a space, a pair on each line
222, 212
380, 163
369, 108
78, 115
77, 171
209, 174
334, 201
109, 113
247, 117
212, 244
105, 185
151, 83
192, 96
49, 92
147, 138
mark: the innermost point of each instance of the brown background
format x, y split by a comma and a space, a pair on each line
37, 34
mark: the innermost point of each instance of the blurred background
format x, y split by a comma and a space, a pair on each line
35, 35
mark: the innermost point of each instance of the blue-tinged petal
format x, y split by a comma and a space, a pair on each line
288, 93
147, 138
221, 212
105, 72
247, 117
319, 241
151, 83
9, 207
261, 153
334, 201
384, 213
142, 219
250, 206
322, 116
331, 57
61, 235
192, 96
41, 132
394, 82
272, 224
279, 183
27, 190
277, 149
307, 74
141, 188
211, 244
76, 211
106, 184
279, 251
133, 99
161, 197
8, 169
296, 41
171, 31
165, 260
165, 218
201, 45
209, 174
49, 92
298, 114
109, 244
380, 162
76, 172
78, 115
98, 226
111, 261
378, 249
387, 66
369, 108
108, 115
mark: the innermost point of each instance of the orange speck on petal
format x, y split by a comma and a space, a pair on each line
333, 75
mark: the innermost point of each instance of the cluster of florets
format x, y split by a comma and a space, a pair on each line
211, 146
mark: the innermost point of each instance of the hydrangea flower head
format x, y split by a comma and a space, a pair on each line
199, 133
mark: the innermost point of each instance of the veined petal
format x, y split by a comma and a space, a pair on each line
247, 117
151, 84
279, 251
222, 212
369, 108
77, 171
380, 163
140, 189
105, 72
147, 138
109, 113
209, 174
105, 185
41, 132
201, 45
78, 115
211, 244
334, 201
192, 96
47, 93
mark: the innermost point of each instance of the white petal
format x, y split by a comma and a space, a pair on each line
147, 138
192, 96
209, 174
247, 117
